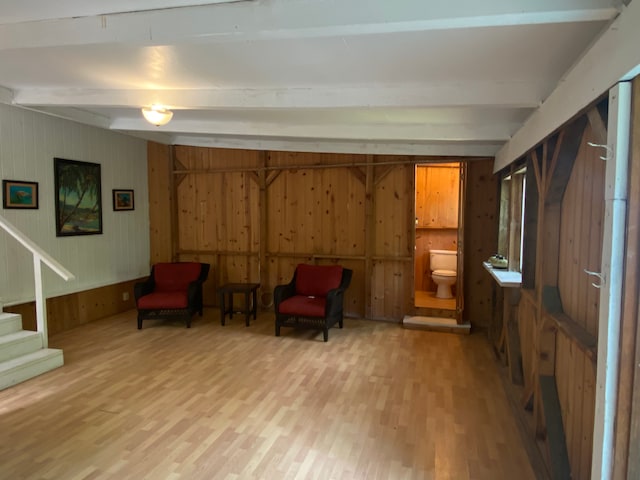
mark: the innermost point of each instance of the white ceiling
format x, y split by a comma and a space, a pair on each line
379, 76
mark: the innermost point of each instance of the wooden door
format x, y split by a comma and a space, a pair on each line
460, 277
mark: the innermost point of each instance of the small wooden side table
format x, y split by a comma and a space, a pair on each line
226, 292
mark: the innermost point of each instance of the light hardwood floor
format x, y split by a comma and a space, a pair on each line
211, 402
429, 300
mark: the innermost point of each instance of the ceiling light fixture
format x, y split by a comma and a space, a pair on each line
157, 115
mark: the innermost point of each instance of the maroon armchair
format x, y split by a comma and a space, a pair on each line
173, 290
313, 298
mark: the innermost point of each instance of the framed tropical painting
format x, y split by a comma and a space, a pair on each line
78, 198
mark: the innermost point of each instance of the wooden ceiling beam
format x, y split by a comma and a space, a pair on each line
247, 21
463, 93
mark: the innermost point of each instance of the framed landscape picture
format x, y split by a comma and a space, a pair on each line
78, 198
123, 200
19, 194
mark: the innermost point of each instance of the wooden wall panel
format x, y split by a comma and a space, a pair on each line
581, 236
286, 159
316, 211
160, 197
480, 241
68, 311
393, 212
575, 380
355, 296
558, 310
197, 158
527, 325
218, 212
437, 195
278, 209
390, 283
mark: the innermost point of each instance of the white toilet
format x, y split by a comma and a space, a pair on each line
443, 264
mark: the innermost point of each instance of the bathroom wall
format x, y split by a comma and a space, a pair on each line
437, 196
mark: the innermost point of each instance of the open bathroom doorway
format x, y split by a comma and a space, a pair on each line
439, 202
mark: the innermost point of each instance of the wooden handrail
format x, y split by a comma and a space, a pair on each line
35, 249
39, 256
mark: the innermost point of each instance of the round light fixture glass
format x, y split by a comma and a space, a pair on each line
157, 115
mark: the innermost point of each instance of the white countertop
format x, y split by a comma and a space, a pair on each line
504, 278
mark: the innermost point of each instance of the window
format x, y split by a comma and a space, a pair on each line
512, 202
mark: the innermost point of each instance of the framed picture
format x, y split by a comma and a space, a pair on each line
18, 194
123, 200
78, 198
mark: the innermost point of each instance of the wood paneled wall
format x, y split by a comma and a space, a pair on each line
68, 311
575, 374
558, 317
159, 168
437, 188
581, 236
480, 241
255, 215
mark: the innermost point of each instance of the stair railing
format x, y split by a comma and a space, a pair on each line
39, 257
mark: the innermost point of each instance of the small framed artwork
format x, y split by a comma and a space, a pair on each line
123, 200
18, 194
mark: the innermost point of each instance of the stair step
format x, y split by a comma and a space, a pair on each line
19, 343
10, 322
28, 366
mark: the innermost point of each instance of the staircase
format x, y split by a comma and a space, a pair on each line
22, 352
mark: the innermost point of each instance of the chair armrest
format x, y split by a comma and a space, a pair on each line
204, 272
141, 289
334, 301
282, 292
194, 290
335, 297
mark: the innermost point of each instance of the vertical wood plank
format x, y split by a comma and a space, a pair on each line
263, 264
480, 242
159, 174
370, 239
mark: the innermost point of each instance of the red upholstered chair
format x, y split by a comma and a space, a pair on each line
313, 299
173, 290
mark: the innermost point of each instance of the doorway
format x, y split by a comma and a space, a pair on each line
438, 236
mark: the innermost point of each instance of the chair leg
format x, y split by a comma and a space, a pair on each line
277, 330
325, 334
139, 322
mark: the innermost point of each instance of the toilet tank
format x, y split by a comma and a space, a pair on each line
443, 260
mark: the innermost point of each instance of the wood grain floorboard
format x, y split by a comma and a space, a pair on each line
211, 402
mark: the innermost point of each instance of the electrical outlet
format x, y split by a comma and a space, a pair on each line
125, 296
